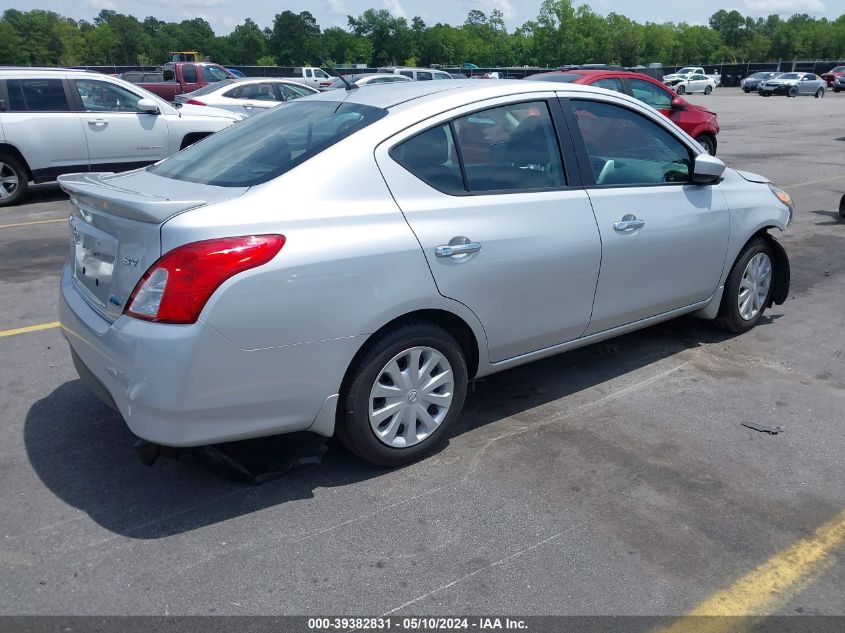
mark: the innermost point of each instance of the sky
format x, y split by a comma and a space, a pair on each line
224, 15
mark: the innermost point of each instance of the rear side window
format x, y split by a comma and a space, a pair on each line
261, 148
647, 92
37, 95
506, 149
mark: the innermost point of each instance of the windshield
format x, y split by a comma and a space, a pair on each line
211, 88
762, 75
686, 71
559, 77
264, 147
215, 73
790, 76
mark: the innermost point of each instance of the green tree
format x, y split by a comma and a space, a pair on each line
294, 38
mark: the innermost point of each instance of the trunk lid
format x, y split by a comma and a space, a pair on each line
115, 228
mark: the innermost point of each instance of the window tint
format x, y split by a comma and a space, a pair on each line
189, 74
626, 148
264, 147
423, 75
37, 95
557, 77
320, 73
309, 73
100, 96
610, 83
407, 73
512, 147
431, 157
257, 92
647, 92
441, 76
289, 92
213, 73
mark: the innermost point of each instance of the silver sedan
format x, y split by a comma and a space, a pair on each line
248, 95
793, 85
234, 291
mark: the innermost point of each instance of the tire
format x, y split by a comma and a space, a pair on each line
842, 207
400, 445
793, 91
730, 315
765, 94
708, 90
14, 180
819, 93
681, 90
746, 90
708, 143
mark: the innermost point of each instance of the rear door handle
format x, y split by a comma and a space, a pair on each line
451, 250
628, 223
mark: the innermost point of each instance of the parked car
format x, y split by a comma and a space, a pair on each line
692, 83
55, 121
750, 83
697, 121
311, 77
253, 296
417, 74
246, 96
689, 71
793, 85
458, 76
839, 85
177, 78
235, 72
833, 74
366, 79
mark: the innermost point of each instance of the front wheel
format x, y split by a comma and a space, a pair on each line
13, 180
793, 91
681, 90
708, 90
708, 143
819, 93
403, 395
748, 288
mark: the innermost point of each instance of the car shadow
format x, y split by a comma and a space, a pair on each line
47, 192
84, 453
835, 218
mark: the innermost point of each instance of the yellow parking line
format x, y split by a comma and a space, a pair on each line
771, 582
814, 182
9, 226
29, 328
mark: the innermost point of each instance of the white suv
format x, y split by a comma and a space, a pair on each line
55, 122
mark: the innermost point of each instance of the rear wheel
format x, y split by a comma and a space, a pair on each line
748, 288
819, 93
708, 143
13, 180
681, 90
708, 90
403, 395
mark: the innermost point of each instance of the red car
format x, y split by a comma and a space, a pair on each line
833, 74
698, 122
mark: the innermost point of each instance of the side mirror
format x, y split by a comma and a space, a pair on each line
148, 106
678, 104
707, 169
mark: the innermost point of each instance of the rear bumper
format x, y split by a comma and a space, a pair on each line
185, 385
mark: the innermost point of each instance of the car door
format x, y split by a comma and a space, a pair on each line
664, 238
39, 121
255, 98
119, 136
504, 228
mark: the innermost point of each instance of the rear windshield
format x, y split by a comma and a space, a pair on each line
211, 87
559, 77
263, 147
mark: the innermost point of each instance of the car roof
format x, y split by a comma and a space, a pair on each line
27, 70
394, 94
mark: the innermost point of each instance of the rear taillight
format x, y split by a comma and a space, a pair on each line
195, 102
176, 288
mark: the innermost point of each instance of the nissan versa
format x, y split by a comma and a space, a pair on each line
345, 263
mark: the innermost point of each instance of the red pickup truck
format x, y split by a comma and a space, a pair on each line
177, 78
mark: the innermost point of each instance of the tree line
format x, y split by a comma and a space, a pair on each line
561, 34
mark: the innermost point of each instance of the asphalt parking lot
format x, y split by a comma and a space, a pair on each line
616, 479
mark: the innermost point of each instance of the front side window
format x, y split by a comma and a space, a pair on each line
189, 73
626, 148
505, 149
37, 95
213, 73
647, 92
101, 96
423, 76
261, 148
407, 73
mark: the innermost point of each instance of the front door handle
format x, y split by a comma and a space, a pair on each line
629, 222
452, 250
97, 122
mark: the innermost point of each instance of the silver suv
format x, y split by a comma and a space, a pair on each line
55, 122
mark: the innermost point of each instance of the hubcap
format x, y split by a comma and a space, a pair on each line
411, 397
8, 181
754, 287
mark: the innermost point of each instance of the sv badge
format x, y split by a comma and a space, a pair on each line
130, 261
